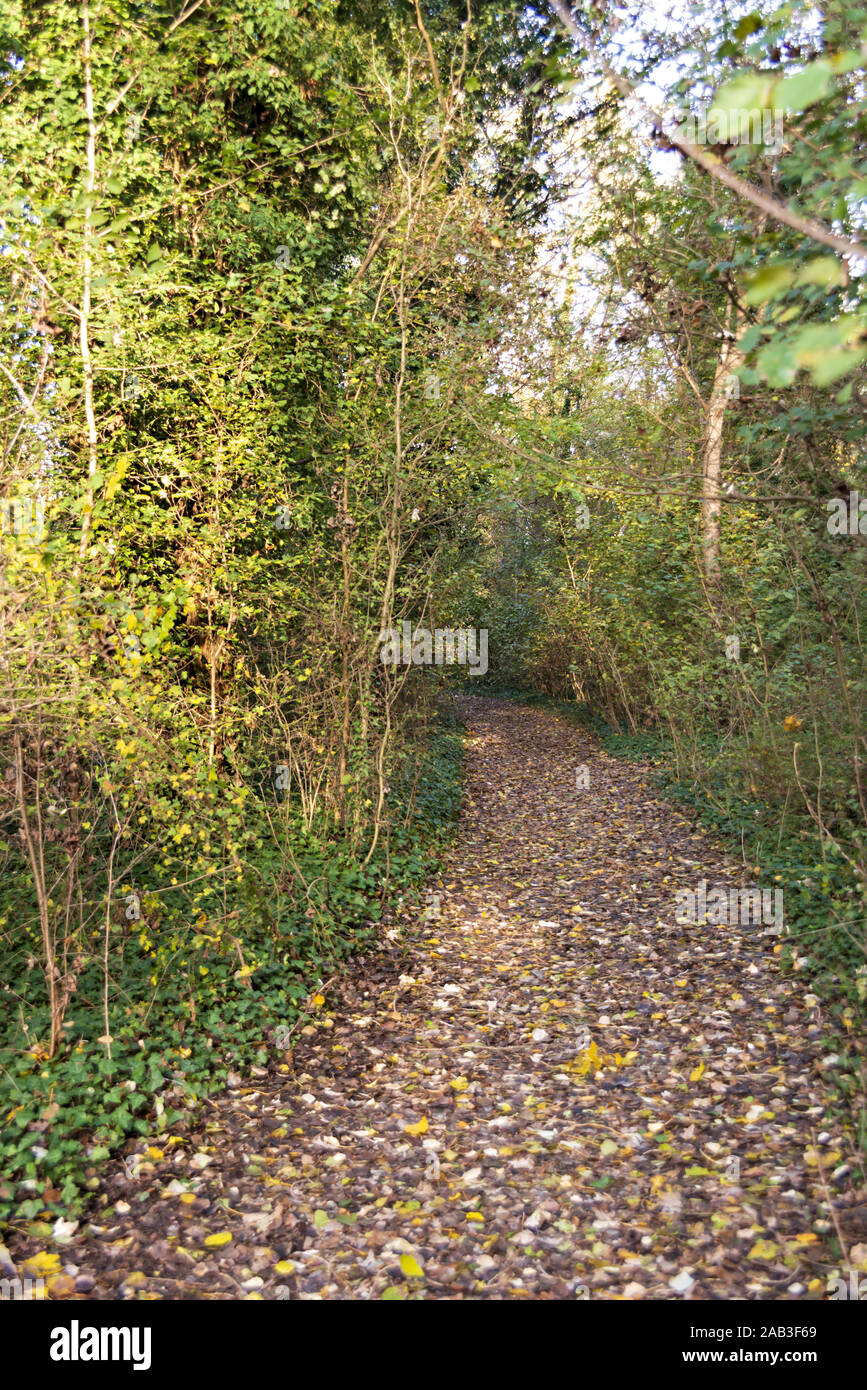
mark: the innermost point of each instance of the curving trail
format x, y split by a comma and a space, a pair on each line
553, 1091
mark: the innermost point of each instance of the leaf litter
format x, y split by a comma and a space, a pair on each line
552, 1090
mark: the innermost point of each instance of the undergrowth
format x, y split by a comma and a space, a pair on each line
176, 1035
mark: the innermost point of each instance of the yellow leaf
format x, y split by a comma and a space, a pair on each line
317, 1001
763, 1250
42, 1265
807, 1238
420, 1128
697, 1073
284, 1267
475, 1216
155, 1154
61, 1286
411, 1268
587, 1059
460, 1083
221, 1238
813, 1160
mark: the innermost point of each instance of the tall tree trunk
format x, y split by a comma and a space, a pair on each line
730, 358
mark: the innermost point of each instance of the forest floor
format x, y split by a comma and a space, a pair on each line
551, 1091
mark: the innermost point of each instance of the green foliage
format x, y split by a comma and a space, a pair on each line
221, 301
198, 1000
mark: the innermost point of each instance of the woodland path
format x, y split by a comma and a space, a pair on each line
444, 1131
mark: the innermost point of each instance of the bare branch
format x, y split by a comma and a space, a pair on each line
711, 163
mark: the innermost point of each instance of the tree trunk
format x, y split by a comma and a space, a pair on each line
730, 358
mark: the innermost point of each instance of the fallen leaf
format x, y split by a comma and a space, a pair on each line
61, 1286
41, 1265
763, 1250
